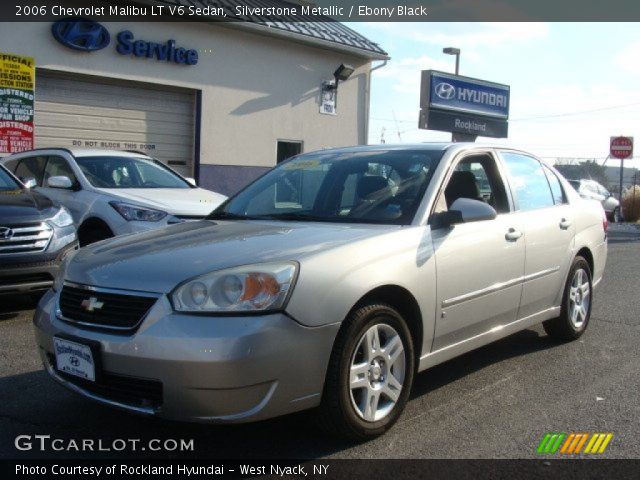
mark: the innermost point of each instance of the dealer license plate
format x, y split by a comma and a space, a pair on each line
75, 359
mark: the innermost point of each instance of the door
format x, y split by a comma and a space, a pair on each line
479, 265
90, 112
549, 231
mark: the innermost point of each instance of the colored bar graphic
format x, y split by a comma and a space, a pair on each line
572, 443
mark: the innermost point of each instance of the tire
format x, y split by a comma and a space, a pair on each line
576, 304
347, 411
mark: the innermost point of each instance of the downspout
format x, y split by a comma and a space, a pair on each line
368, 100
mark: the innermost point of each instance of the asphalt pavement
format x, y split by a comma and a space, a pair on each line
496, 402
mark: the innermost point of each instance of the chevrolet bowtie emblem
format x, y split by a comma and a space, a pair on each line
91, 304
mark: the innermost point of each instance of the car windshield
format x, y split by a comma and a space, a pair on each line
128, 172
367, 186
7, 183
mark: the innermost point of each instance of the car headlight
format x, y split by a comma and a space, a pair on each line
141, 214
251, 288
62, 218
59, 280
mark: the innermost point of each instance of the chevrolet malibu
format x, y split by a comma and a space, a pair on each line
329, 282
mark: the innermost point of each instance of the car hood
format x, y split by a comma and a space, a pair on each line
19, 206
158, 260
176, 201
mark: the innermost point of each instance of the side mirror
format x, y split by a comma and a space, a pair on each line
60, 182
29, 182
465, 210
192, 181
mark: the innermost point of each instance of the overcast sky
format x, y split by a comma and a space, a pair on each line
573, 85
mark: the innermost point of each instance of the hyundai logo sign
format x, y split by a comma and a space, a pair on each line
81, 34
5, 233
445, 91
455, 93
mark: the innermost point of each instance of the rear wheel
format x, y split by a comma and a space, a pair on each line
370, 374
576, 304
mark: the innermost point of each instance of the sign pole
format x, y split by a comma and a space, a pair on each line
621, 176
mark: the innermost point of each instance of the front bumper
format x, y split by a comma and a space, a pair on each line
210, 369
31, 272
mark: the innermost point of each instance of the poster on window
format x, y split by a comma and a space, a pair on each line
17, 86
328, 103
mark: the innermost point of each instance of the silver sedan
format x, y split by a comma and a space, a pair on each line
329, 282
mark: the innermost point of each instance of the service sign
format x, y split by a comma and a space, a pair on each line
17, 85
454, 93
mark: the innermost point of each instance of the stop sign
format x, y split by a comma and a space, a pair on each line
621, 147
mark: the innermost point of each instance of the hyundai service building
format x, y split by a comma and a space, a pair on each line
220, 102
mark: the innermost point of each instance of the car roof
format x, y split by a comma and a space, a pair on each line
97, 152
85, 152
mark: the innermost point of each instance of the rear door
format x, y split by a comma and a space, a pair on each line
480, 264
548, 227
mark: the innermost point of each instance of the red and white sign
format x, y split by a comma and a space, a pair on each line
621, 147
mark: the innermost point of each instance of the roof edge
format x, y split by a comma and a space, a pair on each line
305, 39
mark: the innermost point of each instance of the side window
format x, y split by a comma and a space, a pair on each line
31, 167
529, 181
556, 187
477, 177
56, 167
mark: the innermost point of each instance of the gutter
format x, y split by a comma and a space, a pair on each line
368, 99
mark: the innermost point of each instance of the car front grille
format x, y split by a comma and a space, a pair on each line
36, 280
139, 392
24, 238
104, 309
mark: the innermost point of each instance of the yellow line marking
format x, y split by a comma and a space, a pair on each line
596, 445
605, 443
591, 442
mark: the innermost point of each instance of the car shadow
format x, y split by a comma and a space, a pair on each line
12, 305
36, 404
516, 345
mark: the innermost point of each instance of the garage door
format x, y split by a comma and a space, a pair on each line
87, 112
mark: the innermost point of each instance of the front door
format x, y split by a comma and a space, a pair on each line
480, 264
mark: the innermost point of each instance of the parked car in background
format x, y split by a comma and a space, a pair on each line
593, 190
112, 192
317, 286
35, 234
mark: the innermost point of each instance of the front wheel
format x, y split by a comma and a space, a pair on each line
370, 373
576, 304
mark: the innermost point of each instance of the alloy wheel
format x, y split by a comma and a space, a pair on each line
579, 298
377, 373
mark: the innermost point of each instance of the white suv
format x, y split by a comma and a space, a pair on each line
112, 192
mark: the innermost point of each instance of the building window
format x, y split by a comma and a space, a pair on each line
287, 149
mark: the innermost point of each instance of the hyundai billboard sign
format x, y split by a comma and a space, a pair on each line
462, 104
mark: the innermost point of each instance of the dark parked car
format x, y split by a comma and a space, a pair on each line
35, 234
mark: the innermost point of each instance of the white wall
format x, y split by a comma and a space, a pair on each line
255, 88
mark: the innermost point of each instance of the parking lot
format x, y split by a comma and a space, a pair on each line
498, 401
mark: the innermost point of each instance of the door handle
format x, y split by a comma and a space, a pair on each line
565, 224
512, 235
